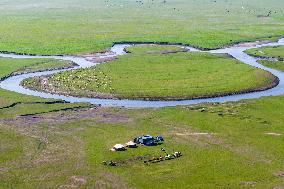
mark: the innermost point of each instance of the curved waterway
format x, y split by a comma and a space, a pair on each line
14, 83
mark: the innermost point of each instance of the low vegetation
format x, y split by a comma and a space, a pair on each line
143, 74
9, 66
278, 65
233, 145
268, 52
45, 143
12, 103
223, 145
75, 26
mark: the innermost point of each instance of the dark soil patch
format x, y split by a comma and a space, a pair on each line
279, 174
95, 112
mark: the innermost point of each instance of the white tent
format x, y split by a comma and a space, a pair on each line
131, 144
118, 147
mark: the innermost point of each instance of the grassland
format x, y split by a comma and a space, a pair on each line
238, 154
12, 103
73, 26
18, 148
268, 52
278, 65
147, 73
66, 148
243, 147
9, 66
52, 144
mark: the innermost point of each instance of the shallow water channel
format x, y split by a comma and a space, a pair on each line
13, 83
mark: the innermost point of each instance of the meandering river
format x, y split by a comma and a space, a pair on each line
14, 83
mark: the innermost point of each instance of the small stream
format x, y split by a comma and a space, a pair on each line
13, 83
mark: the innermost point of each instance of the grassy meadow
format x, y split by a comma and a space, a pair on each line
241, 147
268, 52
47, 143
12, 103
17, 147
73, 26
278, 65
17, 66
147, 73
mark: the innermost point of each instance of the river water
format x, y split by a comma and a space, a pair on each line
13, 83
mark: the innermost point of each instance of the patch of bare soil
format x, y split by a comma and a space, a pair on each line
278, 187
109, 180
279, 174
75, 182
98, 114
99, 57
249, 44
3, 170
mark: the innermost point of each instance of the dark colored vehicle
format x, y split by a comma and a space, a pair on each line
148, 140
159, 139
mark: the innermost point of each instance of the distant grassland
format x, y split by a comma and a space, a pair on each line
147, 73
268, 52
75, 26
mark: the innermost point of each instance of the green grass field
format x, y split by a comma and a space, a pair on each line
46, 143
278, 65
268, 52
73, 26
17, 147
145, 73
238, 155
18, 66
243, 148
22, 104
48, 150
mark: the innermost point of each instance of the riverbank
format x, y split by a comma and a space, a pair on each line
236, 52
144, 75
